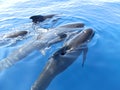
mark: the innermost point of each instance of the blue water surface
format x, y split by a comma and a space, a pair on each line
102, 66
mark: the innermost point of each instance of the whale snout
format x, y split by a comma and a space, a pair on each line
23, 33
89, 33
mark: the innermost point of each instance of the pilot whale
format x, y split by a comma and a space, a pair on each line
63, 58
41, 18
52, 19
10, 38
73, 25
40, 43
15, 34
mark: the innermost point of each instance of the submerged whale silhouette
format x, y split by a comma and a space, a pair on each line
47, 39
63, 58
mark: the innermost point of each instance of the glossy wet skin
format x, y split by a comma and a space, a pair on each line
80, 39
65, 56
62, 59
73, 25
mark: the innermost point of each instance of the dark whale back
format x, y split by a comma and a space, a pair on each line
16, 34
72, 25
37, 18
40, 18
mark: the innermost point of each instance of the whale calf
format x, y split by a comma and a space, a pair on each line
41, 18
63, 58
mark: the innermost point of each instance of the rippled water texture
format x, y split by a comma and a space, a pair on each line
102, 66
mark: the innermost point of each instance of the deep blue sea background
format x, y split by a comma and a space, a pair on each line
102, 66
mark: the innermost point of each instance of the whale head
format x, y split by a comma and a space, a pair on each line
76, 42
80, 39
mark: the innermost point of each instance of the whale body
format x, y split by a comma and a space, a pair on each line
63, 58
15, 34
41, 18
73, 25
45, 40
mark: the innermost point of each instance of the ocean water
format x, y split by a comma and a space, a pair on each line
102, 66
